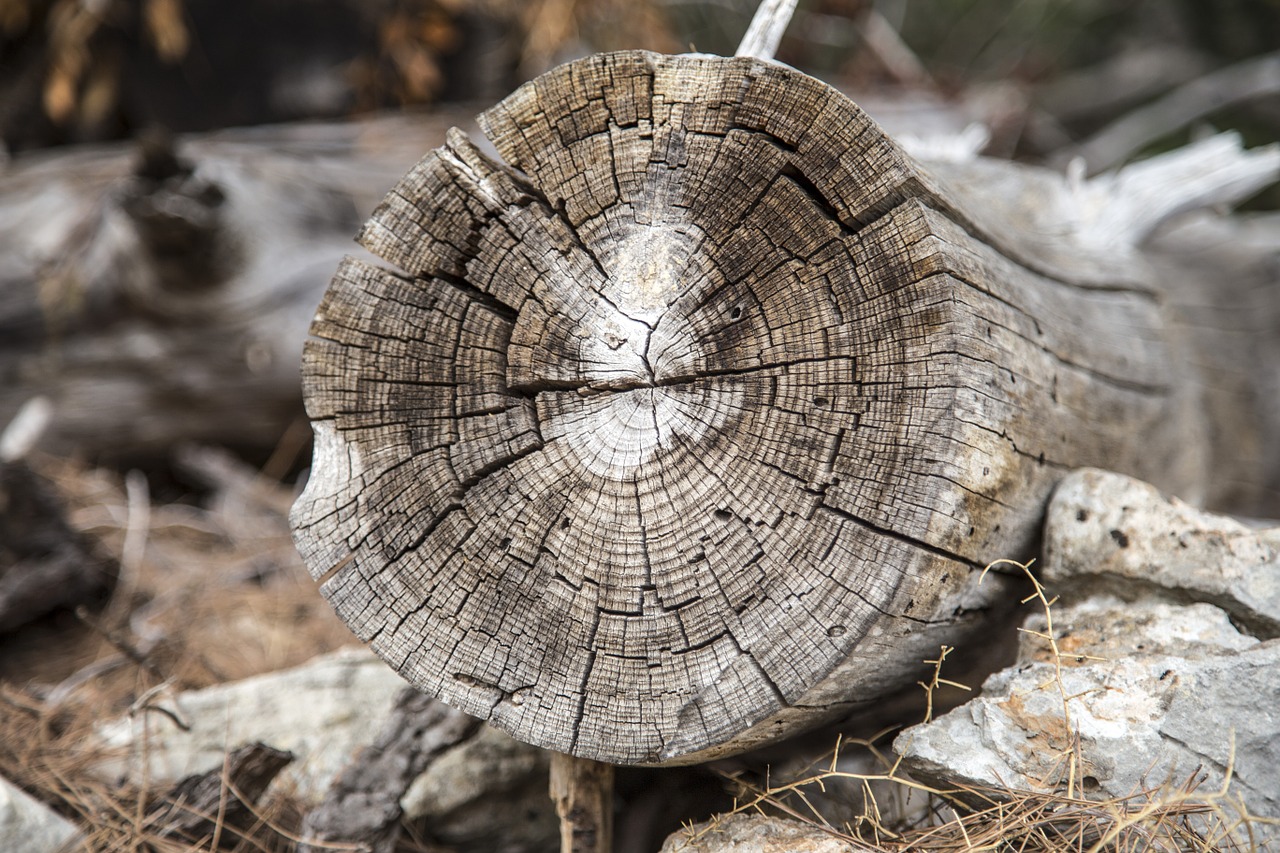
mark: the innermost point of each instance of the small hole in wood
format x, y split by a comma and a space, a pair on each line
821, 401
723, 515
835, 631
735, 313
505, 543
564, 523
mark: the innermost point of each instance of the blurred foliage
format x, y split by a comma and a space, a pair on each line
554, 31
88, 70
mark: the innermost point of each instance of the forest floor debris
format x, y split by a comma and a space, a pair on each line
212, 593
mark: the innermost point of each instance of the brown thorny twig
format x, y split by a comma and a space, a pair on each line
1167, 818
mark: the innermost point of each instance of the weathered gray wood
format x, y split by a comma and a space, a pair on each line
220, 803
694, 423
166, 299
582, 790
1222, 280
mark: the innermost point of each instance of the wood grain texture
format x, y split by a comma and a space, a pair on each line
693, 423
583, 793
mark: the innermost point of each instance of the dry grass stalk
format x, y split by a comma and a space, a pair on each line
214, 592
936, 681
1059, 818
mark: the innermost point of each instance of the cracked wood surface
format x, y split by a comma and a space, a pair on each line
693, 423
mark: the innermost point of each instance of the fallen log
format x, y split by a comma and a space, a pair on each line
162, 295
159, 294
694, 422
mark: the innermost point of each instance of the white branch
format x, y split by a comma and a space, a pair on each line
1122, 208
24, 431
1248, 80
765, 33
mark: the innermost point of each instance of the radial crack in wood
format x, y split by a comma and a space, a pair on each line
692, 423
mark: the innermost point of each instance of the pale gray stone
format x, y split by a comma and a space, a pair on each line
1157, 692
744, 833
488, 793
1108, 531
29, 826
491, 761
322, 712
1170, 670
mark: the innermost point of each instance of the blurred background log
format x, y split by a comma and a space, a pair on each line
163, 294
44, 564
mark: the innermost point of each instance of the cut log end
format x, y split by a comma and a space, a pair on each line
692, 423
629, 480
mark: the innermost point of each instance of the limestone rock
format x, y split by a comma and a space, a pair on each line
322, 712
489, 793
1169, 658
743, 833
1158, 692
1109, 531
28, 826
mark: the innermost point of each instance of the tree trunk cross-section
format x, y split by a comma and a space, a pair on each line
694, 422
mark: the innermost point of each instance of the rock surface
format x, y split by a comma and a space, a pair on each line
743, 833
322, 712
1176, 685
28, 826
489, 793
1167, 669
1108, 531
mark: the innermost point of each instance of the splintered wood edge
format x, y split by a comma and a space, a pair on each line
690, 424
